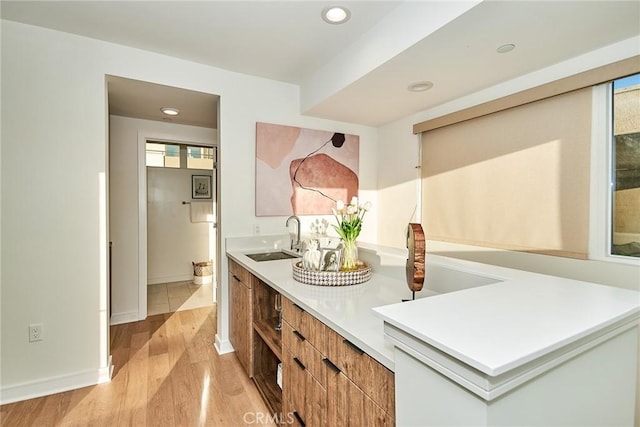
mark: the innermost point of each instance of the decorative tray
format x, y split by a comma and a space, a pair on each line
332, 278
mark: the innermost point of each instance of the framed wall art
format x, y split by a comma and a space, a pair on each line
304, 171
200, 186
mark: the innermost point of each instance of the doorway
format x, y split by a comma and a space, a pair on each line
134, 119
181, 225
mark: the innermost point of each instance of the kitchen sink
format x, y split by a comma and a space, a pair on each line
272, 256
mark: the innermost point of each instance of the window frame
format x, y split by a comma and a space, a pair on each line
164, 156
602, 178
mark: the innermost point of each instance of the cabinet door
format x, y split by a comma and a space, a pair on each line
347, 405
313, 330
301, 348
240, 324
368, 374
306, 398
290, 416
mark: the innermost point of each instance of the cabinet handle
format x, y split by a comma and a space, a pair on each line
353, 347
298, 307
295, 359
236, 277
330, 364
299, 418
299, 335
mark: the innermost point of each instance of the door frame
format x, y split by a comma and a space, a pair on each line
143, 137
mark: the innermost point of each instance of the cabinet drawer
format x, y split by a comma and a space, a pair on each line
300, 347
306, 398
314, 331
368, 374
290, 416
241, 273
349, 406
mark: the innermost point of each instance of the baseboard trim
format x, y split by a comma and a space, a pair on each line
52, 385
223, 346
119, 318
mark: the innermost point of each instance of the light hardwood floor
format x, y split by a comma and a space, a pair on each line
167, 373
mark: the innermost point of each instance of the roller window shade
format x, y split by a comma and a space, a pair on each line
590, 78
516, 179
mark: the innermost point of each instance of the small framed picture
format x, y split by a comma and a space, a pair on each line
330, 260
200, 186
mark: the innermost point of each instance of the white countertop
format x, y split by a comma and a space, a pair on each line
346, 309
516, 318
502, 326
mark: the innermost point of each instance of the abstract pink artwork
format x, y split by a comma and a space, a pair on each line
303, 171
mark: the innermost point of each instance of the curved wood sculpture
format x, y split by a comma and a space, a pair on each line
415, 262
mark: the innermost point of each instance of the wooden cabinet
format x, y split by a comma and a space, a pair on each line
304, 398
374, 379
304, 372
252, 332
328, 380
267, 346
348, 405
241, 314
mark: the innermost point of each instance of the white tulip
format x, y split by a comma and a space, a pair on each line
339, 205
354, 201
367, 206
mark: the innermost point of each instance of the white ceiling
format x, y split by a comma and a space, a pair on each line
356, 72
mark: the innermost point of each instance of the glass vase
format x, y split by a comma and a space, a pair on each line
349, 255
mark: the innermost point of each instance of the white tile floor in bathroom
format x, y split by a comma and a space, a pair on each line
176, 296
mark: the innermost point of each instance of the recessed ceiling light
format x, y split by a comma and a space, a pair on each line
336, 14
420, 86
170, 111
506, 48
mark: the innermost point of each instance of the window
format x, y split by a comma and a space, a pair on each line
625, 200
163, 155
200, 158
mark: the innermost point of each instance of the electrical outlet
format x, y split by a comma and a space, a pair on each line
36, 332
256, 228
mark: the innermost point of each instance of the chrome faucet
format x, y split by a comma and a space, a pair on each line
297, 246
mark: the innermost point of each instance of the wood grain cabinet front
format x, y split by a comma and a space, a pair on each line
313, 330
373, 378
306, 398
328, 374
241, 318
348, 405
306, 353
326, 379
304, 373
253, 332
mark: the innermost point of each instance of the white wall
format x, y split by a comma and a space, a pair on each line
398, 182
54, 213
173, 241
54, 117
124, 136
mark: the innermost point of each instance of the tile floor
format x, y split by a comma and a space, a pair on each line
176, 296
